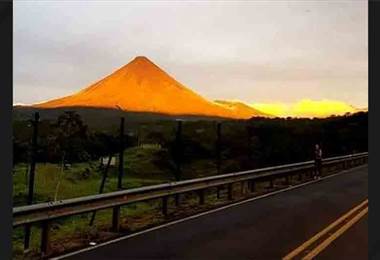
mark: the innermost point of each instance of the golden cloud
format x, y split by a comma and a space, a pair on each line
306, 108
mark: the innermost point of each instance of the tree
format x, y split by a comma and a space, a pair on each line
71, 136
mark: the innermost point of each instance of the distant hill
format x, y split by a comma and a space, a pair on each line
239, 108
143, 87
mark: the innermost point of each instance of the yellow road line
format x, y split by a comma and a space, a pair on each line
334, 236
306, 244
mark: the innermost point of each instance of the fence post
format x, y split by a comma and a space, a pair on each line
178, 156
218, 147
31, 175
121, 155
101, 188
249, 143
116, 210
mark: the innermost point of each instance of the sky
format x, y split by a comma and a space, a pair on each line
259, 52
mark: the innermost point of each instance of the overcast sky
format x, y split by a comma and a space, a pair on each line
257, 51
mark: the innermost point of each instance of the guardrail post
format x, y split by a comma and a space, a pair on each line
287, 180
230, 191
115, 219
271, 183
176, 200
242, 187
201, 197
45, 226
252, 186
165, 206
218, 190
311, 172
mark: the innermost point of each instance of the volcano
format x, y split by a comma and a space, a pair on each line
141, 86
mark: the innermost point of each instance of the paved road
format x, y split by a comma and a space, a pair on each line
351, 245
268, 228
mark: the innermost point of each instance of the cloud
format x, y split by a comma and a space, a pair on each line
247, 50
306, 108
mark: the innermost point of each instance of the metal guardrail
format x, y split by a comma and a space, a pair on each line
44, 213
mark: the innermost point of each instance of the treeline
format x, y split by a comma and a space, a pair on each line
242, 145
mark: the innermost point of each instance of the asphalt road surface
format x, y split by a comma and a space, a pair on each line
267, 228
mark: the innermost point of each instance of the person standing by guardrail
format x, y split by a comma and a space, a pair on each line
318, 162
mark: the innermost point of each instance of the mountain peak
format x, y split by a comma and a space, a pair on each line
142, 86
143, 66
141, 58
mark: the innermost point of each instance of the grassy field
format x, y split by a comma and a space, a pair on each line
82, 179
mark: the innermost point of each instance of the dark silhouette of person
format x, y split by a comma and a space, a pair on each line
318, 161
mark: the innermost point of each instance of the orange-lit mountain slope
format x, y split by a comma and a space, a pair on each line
141, 86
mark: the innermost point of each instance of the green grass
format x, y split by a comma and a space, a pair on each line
139, 170
76, 182
83, 179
